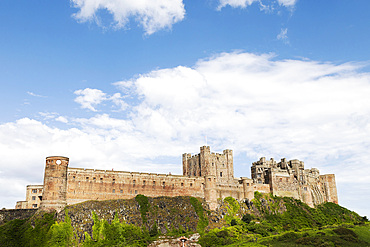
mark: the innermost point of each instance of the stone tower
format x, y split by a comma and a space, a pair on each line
55, 183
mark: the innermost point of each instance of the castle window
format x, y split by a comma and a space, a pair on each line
113, 191
34, 205
182, 184
34, 198
287, 179
305, 188
121, 191
220, 174
191, 185
144, 182
101, 179
209, 179
135, 191
34, 191
281, 180
133, 182
87, 178
94, 179
247, 184
258, 175
164, 184
74, 177
173, 186
153, 183
114, 180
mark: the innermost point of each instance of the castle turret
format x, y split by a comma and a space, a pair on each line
229, 164
55, 183
248, 188
205, 162
185, 164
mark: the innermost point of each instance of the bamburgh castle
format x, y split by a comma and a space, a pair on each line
206, 175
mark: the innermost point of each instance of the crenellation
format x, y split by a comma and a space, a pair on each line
208, 175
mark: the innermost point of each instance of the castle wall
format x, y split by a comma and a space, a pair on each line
284, 184
235, 191
206, 175
329, 187
90, 184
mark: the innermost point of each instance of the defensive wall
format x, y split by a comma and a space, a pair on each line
206, 175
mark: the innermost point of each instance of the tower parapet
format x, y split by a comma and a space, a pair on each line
55, 183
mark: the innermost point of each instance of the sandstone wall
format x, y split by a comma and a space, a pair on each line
90, 184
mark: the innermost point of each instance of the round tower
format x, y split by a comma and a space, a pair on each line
54, 194
210, 192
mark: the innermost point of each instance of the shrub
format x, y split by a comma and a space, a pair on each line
203, 221
144, 206
233, 222
247, 218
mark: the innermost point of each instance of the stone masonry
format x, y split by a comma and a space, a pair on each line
206, 175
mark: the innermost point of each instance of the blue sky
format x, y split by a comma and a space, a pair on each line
132, 86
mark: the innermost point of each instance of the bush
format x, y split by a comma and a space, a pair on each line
215, 238
345, 231
144, 206
203, 221
247, 218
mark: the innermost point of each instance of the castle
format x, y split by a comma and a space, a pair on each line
206, 175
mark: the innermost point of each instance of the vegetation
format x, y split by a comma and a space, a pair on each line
203, 221
232, 210
116, 234
266, 221
144, 206
26, 233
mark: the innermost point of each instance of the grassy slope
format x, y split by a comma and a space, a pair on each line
275, 221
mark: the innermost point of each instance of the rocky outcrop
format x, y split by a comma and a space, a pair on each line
12, 214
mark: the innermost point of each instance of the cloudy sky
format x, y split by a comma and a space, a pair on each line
131, 85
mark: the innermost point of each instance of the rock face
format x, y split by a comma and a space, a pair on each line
12, 214
167, 213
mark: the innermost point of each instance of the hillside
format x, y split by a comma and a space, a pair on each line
265, 220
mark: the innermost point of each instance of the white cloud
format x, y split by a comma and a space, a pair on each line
269, 5
62, 119
287, 3
152, 15
36, 95
256, 105
236, 3
283, 35
89, 98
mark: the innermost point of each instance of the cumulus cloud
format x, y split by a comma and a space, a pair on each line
90, 98
257, 105
152, 15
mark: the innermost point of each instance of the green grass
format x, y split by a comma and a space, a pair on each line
363, 232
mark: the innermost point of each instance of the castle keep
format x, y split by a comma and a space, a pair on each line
206, 175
